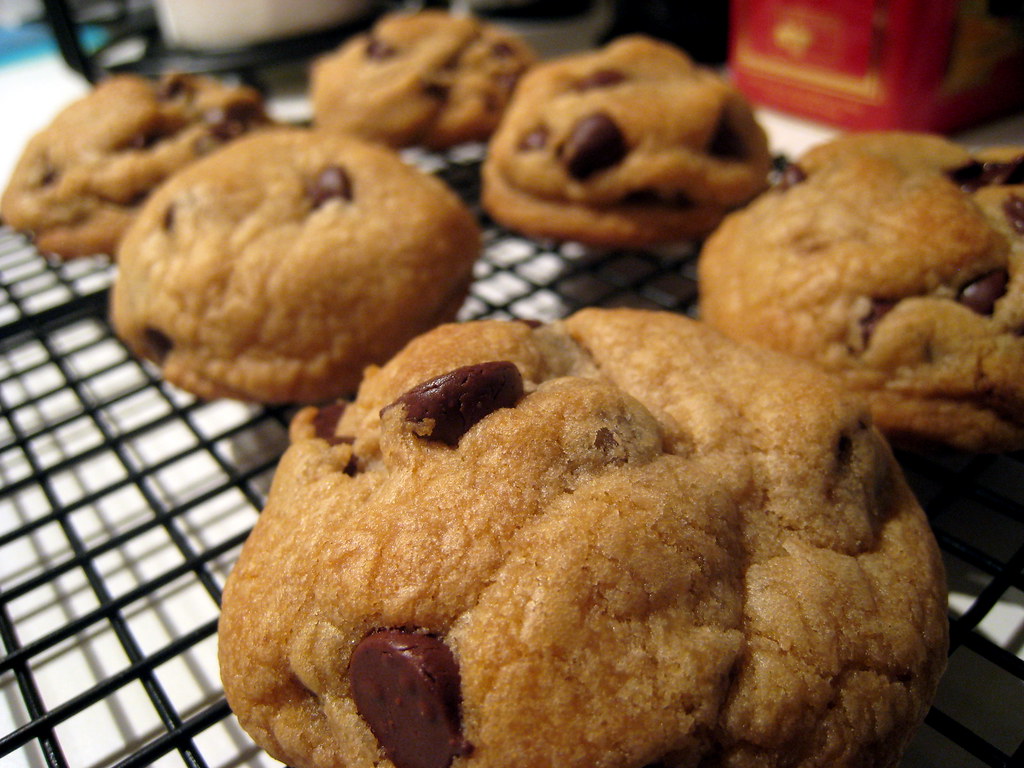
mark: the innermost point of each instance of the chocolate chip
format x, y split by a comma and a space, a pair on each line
727, 142
535, 139
457, 400
879, 309
406, 686
143, 140
137, 198
605, 441
649, 197
595, 144
326, 422
981, 295
333, 182
975, 175
168, 220
790, 175
1013, 207
174, 85
437, 91
156, 345
844, 449
378, 50
1013, 173
601, 78
968, 177
50, 175
232, 121
502, 50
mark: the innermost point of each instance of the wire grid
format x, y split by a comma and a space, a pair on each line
125, 503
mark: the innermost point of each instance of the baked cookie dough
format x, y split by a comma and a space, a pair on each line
895, 260
81, 180
616, 541
276, 269
629, 145
427, 78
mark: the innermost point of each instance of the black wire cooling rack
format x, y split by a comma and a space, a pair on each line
124, 503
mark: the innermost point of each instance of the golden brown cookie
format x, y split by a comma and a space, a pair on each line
427, 78
630, 145
276, 269
897, 261
612, 542
81, 181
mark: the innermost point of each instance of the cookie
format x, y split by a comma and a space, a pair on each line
628, 146
426, 78
276, 269
895, 260
80, 181
614, 541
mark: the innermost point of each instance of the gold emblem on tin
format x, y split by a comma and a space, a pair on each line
792, 37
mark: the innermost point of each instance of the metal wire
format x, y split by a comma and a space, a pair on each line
124, 503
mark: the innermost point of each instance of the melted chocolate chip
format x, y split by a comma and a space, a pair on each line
727, 142
975, 175
595, 144
601, 78
981, 294
333, 182
378, 50
326, 422
1013, 207
407, 688
168, 220
457, 400
879, 309
232, 121
535, 139
156, 345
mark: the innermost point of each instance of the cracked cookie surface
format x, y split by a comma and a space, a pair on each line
629, 145
615, 541
277, 269
427, 78
897, 261
82, 180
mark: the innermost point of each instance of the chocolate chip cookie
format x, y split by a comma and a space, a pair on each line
276, 269
630, 145
80, 182
616, 540
426, 78
897, 261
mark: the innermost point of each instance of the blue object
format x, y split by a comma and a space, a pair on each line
36, 39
